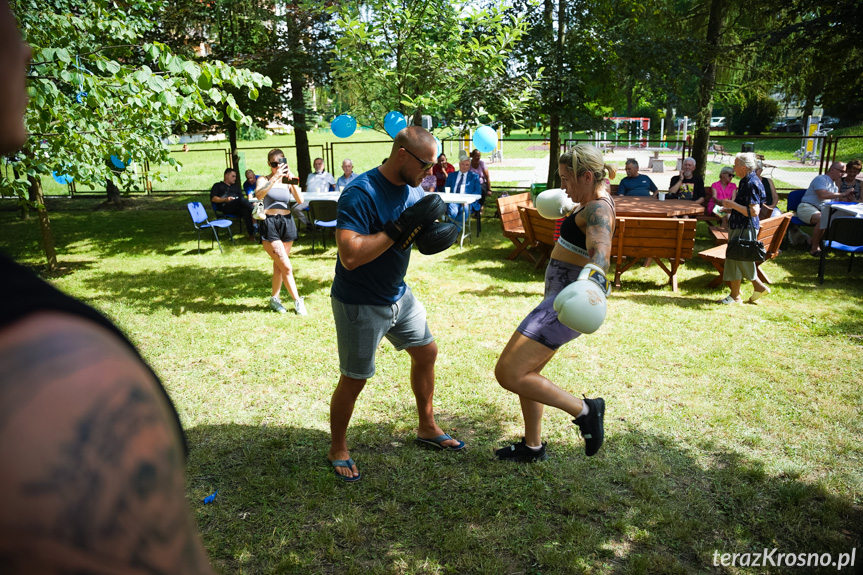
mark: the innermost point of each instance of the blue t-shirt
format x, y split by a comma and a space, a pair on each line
640, 185
364, 207
249, 187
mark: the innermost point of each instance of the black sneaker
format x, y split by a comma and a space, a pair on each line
591, 425
521, 453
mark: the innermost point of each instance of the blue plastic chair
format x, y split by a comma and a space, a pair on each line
843, 234
323, 214
794, 198
202, 222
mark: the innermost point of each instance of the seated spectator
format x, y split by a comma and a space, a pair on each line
724, 189
320, 180
441, 170
429, 183
769, 209
850, 184
349, 175
822, 189
228, 196
464, 181
477, 166
250, 183
687, 186
635, 184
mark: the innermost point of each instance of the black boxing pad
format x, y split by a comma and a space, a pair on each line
436, 238
403, 230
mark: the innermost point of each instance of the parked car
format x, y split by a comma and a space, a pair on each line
829, 122
717, 122
788, 124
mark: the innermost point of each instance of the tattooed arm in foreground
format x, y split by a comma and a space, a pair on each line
599, 229
92, 464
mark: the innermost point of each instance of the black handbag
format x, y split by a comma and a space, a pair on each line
746, 250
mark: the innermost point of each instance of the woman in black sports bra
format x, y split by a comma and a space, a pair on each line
585, 237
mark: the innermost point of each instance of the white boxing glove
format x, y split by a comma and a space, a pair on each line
554, 204
581, 304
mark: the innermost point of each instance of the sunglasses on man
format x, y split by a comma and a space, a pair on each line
426, 166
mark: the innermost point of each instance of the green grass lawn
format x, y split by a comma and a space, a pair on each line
728, 429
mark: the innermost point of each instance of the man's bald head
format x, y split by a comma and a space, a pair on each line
413, 147
415, 138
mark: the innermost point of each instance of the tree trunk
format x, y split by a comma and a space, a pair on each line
669, 122
112, 191
553, 180
715, 29
44, 223
418, 117
298, 107
232, 139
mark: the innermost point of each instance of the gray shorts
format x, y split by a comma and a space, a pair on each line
360, 328
541, 324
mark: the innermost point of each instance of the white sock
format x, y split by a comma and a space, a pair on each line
537, 448
584, 410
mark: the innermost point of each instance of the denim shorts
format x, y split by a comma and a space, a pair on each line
360, 328
541, 324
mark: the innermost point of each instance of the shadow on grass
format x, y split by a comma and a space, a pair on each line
195, 289
645, 504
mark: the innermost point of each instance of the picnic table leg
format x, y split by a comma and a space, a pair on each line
520, 249
762, 276
720, 267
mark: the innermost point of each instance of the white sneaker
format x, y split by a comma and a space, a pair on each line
300, 306
276, 305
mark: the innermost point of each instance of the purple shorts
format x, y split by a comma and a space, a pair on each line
541, 324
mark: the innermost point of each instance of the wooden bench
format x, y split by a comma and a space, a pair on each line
510, 219
719, 150
540, 232
658, 238
770, 233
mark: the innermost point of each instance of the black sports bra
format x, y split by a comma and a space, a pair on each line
571, 236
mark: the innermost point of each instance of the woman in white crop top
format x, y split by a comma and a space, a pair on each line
278, 230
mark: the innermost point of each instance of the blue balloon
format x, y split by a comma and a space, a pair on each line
439, 145
62, 179
120, 164
485, 139
343, 126
394, 122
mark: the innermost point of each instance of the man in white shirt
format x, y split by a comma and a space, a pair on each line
320, 180
823, 188
350, 176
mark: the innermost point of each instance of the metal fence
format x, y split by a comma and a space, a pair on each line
791, 161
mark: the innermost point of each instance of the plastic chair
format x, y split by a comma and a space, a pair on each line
794, 198
202, 222
323, 214
843, 234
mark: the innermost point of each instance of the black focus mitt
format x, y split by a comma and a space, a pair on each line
436, 238
404, 230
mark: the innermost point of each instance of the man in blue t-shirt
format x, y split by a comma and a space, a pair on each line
635, 184
370, 298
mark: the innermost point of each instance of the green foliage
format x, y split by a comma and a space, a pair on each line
251, 132
754, 115
97, 90
427, 55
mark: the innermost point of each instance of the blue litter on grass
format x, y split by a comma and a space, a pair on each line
209, 498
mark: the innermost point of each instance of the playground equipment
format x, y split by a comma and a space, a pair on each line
810, 146
638, 130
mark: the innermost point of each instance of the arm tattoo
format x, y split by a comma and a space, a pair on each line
599, 231
107, 487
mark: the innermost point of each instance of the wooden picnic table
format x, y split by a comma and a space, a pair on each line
650, 207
